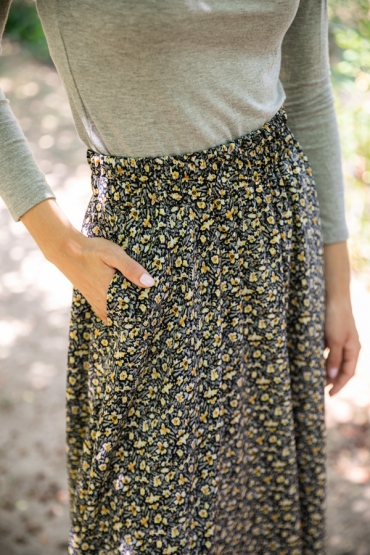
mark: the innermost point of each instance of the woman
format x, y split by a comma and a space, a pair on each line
211, 272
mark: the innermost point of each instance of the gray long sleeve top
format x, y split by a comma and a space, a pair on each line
162, 77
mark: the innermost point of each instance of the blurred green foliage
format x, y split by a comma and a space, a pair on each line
23, 25
349, 29
349, 39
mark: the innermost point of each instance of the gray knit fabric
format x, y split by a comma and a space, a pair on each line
156, 77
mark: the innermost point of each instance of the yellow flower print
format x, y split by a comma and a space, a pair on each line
210, 340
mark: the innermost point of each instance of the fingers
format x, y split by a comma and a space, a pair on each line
333, 362
91, 265
101, 311
130, 268
117, 258
101, 307
345, 364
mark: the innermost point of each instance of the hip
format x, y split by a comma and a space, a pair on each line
212, 220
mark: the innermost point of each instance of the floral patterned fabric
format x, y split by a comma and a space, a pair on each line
195, 418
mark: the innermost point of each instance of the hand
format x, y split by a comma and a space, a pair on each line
341, 336
342, 339
88, 263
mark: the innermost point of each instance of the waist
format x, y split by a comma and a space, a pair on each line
172, 173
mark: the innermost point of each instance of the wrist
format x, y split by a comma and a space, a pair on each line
337, 288
337, 273
52, 231
68, 242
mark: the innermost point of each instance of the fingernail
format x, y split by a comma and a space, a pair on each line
332, 372
147, 280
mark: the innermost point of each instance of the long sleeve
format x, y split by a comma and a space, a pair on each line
305, 75
22, 183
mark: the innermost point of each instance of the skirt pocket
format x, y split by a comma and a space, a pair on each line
127, 305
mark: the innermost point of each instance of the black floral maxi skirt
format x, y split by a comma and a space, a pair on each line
195, 418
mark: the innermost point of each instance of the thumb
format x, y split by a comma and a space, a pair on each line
129, 267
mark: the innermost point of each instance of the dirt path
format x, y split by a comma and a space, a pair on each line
34, 314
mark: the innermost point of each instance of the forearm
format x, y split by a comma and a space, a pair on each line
56, 237
337, 272
22, 183
314, 125
310, 107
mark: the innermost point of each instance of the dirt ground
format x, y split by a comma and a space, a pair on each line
34, 315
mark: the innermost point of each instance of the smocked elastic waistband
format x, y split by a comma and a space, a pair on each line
272, 129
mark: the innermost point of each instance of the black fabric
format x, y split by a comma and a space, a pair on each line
195, 418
